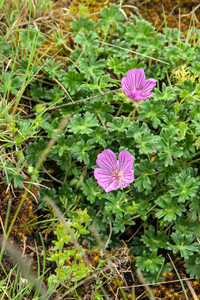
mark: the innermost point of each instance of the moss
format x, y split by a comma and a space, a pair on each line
156, 11
88, 8
26, 215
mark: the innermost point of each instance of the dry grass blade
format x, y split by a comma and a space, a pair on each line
194, 295
5, 289
14, 251
65, 90
90, 98
142, 279
134, 52
181, 282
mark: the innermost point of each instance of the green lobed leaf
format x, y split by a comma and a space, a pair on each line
151, 111
34, 150
83, 125
110, 15
192, 265
136, 32
184, 186
92, 67
154, 241
149, 263
80, 151
168, 146
101, 109
184, 244
144, 178
169, 208
52, 68
92, 191
99, 136
119, 125
72, 81
82, 24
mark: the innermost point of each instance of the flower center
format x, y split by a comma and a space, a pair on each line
138, 88
117, 175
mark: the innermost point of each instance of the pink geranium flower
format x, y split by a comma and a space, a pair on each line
114, 174
135, 86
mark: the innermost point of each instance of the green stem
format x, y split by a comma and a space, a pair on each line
115, 81
154, 173
193, 161
168, 79
119, 110
101, 121
100, 91
80, 56
132, 113
106, 33
134, 234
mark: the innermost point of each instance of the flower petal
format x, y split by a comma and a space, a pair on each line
137, 95
125, 161
107, 160
101, 174
112, 186
126, 87
136, 78
127, 178
106, 181
148, 86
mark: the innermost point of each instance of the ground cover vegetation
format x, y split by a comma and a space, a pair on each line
63, 103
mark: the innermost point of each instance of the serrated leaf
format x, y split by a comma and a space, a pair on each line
83, 125
152, 240
168, 146
34, 150
99, 136
184, 225
92, 67
111, 15
146, 143
116, 52
89, 43
82, 24
63, 144
151, 263
119, 125
192, 265
134, 131
72, 81
144, 177
52, 68
117, 204
99, 83
153, 111
116, 64
80, 151
184, 186
168, 93
184, 244
120, 222
169, 208
132, 63
135, 32
100, 109
91, 190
